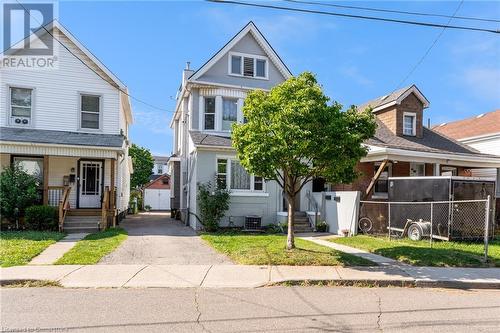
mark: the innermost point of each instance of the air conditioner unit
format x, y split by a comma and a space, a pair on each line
20, 121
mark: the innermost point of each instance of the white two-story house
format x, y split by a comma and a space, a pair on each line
69, 126
209, 101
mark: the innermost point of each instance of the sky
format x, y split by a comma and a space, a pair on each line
146, 44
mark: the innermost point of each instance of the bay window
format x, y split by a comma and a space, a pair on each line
229, 113
233, 176
209, 120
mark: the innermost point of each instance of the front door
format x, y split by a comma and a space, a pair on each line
90, 184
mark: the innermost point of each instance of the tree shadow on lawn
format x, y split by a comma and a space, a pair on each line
421, 256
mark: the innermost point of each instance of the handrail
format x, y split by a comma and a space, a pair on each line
104, 209
63, 206
315, 205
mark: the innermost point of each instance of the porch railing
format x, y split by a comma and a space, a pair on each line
314, 205
63, 206
55, 194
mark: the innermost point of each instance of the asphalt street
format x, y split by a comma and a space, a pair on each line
271, 309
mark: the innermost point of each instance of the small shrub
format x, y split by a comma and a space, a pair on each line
213, 204
274, 229
18, 190
322, 226
42, 218
147, 208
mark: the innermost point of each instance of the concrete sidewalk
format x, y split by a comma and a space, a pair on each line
242, 276
55, 251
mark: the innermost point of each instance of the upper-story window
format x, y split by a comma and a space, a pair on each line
409, 123
21, 101
229, 113
248, 65
90, 106
209, 120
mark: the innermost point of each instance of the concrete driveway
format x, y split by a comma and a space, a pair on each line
155, 238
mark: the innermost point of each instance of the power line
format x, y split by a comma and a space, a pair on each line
86, 65
393, 11
421, 60
373, 18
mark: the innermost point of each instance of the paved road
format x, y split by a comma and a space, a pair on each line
276, 309
155, 238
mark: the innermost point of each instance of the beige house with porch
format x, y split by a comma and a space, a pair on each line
69, 127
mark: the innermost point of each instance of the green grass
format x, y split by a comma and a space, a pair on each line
419, 253
19, 247
93, 247
251, 249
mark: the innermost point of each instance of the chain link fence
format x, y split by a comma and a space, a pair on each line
464, 220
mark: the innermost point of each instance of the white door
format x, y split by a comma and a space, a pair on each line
157, 199
90, 184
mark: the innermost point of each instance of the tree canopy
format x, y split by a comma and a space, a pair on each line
143, 163
293, 134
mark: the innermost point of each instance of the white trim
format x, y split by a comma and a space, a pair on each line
479, 138
9, 105
250, 27
249, 192
379, 153
414, 123
40, 144
101, 116
202, 84
234, 193
247, 55
412, 89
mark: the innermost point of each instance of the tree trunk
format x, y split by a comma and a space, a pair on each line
290, 242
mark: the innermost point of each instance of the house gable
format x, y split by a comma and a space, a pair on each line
249, 41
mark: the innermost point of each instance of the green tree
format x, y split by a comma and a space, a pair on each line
294, 134
143, 163
18, 190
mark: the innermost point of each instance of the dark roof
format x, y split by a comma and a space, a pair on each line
154, 177
430, 142
160, 159
60, 137
386, 99
210, 140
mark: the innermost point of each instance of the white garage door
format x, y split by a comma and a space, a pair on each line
157, 199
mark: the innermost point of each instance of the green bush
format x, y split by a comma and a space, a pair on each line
213, 204
41, 218
274, 229
322, 226
18, 190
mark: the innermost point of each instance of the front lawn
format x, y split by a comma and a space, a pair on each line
19, 247
419, 253
251, 249
93, 247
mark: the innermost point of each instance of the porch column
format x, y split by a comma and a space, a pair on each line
112, 205
45, 180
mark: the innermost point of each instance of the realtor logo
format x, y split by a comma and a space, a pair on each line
26, 42
27, 19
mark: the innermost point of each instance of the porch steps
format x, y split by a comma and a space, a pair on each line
81, 223
302, 223
84, 212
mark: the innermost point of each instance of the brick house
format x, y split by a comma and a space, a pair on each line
403, 147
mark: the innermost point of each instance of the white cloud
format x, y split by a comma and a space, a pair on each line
352, 72
155, 121
483, 82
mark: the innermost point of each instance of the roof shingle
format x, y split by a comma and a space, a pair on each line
488, 123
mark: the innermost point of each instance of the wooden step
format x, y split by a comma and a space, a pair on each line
84, 212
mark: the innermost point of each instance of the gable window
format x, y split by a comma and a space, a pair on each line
248, 65
409, 123
236, 65
232, 175
209, 120
20, 102
90, 111
229, 113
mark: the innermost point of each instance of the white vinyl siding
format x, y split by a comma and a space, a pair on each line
57, 93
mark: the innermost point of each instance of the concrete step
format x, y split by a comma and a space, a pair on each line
80, 224
84, 212
74, 230
82, 218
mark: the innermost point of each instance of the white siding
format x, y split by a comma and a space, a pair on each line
487, 145
56, 93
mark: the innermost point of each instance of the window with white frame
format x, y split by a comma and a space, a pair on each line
90, 106
248, 65
20, 102
409, 123
232, 175
229, 113
417, 169
209, 117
